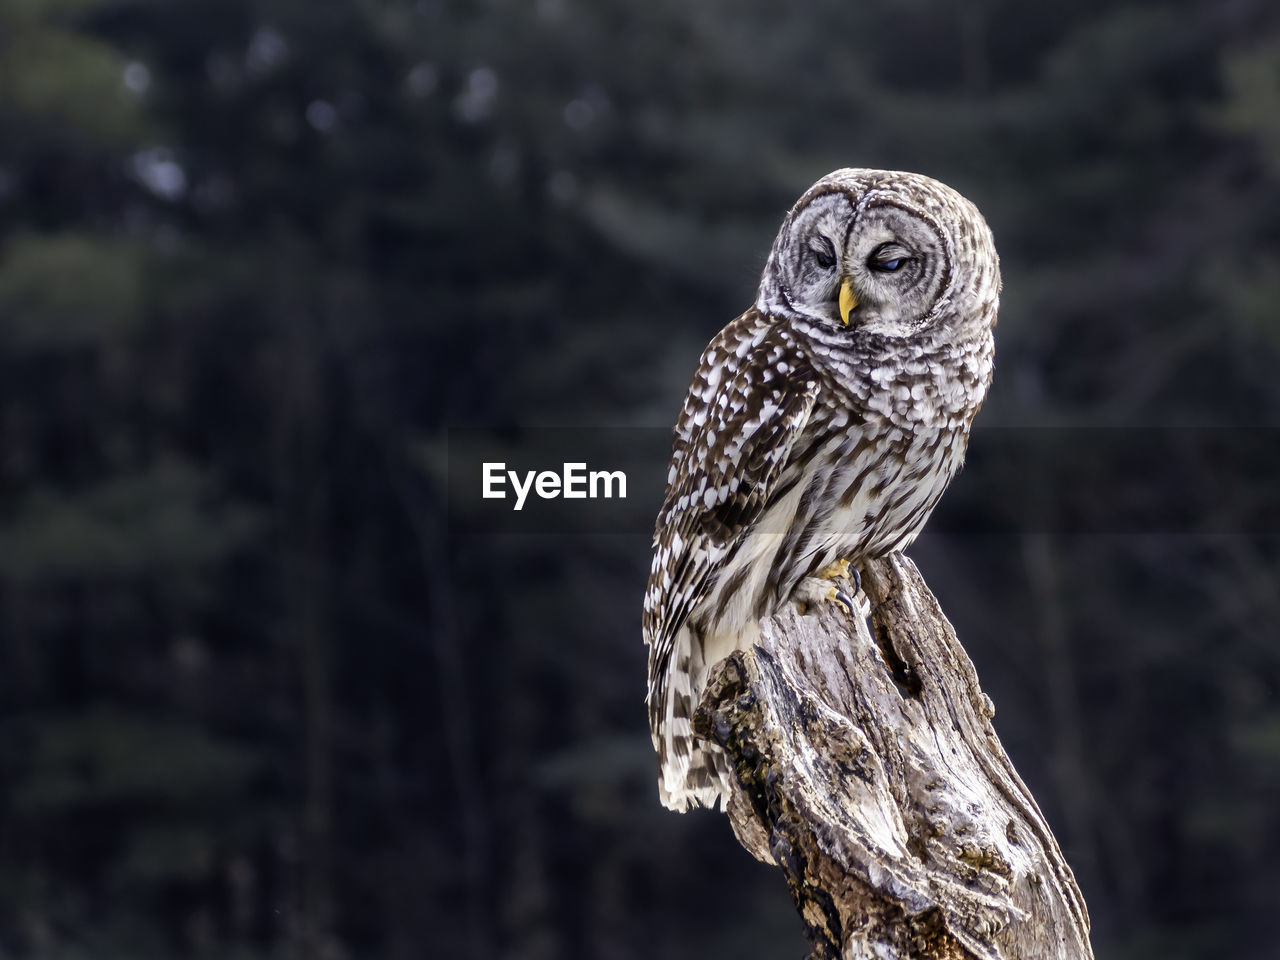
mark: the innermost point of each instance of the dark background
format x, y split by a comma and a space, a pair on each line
257, 257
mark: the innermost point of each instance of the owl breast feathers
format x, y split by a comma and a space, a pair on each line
822, 424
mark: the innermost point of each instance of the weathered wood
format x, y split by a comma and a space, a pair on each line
869, 771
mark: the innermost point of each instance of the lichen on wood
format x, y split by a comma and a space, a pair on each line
869, 771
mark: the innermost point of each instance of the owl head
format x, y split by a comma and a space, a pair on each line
882, 253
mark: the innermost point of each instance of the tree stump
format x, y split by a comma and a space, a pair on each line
868, 770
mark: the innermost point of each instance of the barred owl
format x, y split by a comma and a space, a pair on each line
821, 426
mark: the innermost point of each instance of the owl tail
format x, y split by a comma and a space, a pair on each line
691, 771
703, 781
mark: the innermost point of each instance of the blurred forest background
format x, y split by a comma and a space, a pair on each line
257, 255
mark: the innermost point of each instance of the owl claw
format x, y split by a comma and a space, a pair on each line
846, 601
842, 570
835, 569
855, 603
846, 590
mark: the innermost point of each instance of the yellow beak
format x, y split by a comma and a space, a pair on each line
848, 299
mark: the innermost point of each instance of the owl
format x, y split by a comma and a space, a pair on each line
820, 430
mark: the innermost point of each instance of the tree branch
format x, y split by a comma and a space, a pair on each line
869, 771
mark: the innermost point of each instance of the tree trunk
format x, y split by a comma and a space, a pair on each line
868, 770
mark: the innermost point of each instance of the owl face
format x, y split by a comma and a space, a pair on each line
874, 253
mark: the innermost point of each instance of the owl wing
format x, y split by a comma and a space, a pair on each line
733, 440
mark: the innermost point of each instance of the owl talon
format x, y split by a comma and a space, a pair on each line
844, 589
854, 602
835, 570
855, 580
842, 570
845, 601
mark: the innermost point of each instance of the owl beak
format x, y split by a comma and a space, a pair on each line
848, 299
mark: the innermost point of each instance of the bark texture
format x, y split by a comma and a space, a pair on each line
869, 772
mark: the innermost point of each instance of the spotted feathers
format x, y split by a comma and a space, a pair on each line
804, 440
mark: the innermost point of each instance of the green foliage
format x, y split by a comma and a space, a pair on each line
1252, 106
161, 523
105, 757
66, 291
67, 86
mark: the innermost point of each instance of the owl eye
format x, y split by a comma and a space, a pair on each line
823, 252
888, 257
